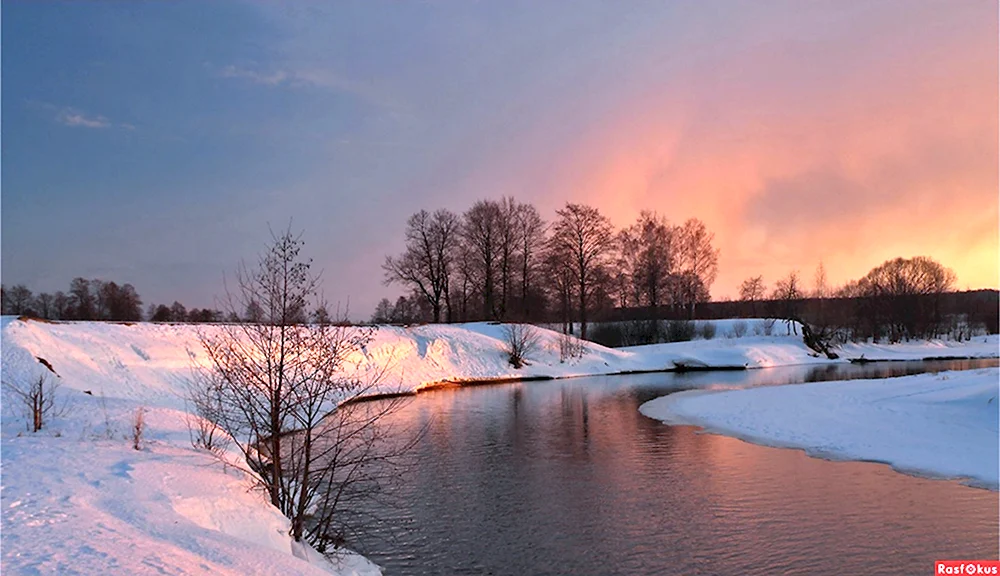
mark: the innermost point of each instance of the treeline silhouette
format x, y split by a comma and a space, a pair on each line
499, 260
96, 299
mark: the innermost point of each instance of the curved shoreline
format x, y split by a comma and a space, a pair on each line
940, 426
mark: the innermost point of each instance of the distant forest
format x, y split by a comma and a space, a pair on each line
500, 261
97, 300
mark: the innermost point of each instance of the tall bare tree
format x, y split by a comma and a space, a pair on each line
698, 263
821, 289
481, 233
507, 245
648, 255
753, 290
81, 299
582, 241
787, 295
426, 264
278, 388
43, 305
531, 243
19, 300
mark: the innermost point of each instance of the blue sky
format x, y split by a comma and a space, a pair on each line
154, 142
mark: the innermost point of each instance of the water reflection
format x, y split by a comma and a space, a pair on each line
568, 477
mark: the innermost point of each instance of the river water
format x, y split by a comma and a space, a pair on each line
567, 477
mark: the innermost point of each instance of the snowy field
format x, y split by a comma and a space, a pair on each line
942, 425
76, 498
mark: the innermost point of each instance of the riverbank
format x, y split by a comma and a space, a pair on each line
153, 362
77, 496
940, 425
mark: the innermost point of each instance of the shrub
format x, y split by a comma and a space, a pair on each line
521, 340
36, 400
610, 334
707, 330
739, 329
138, 427
569, 347
680, 330
768, 326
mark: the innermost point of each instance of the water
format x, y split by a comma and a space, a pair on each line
567, 477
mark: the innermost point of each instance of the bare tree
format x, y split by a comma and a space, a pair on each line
43, 305
20, 300
36, 399
61, 306
648, 255
279, 389
481, 234
178, 312
383, 312
426, 264
582, 241
559, 278
903, 296
698, 263
820, 287
507, 245
81, 299
752, 290
531, 243
787, 294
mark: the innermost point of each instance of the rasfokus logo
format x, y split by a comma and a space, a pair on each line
967, 567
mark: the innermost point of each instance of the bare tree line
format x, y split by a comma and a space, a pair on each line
501, 261
96, 299
900, 299
85, 300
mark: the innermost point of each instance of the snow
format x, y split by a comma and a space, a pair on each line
77, 498
941, 425
977, 347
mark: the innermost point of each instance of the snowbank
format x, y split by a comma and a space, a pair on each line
152, 363
78, 499
977, 347
943, 424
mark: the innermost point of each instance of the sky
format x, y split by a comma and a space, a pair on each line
155, 143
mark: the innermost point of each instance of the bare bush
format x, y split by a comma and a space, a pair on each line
707, 330
767, 326
520, 341
680, 330
739, 329
138, 427
203, 423
569, 347
36, 400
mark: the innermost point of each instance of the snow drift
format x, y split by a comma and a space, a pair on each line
943, 425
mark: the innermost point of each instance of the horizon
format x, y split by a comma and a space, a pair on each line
153, 144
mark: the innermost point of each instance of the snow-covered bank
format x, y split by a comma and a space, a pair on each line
977, 347
943, 424
153, 362
78, 499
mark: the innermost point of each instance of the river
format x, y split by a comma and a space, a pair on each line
567, 477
